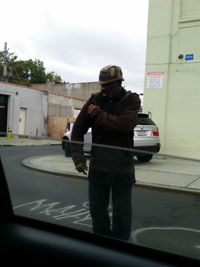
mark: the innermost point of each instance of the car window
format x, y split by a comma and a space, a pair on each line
50, 59
143, 119
44, 185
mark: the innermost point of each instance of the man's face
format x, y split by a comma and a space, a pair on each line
110, 90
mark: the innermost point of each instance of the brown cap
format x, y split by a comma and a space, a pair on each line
110, 74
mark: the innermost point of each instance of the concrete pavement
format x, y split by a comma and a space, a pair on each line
170, 173
162, 171
22, 141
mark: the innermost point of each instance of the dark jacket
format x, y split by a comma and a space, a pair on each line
112, 125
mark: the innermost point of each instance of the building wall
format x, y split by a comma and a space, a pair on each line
51, 87
35, 103
61, 109
82, 90
47, 113
64, 103
172, 96
77, 90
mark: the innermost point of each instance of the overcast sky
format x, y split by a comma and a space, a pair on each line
76, 38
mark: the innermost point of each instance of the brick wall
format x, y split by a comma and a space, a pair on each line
61, 109
56, 126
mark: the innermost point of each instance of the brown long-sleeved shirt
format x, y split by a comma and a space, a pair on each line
112, 125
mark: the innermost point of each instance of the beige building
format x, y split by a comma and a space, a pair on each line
61, 109
172, 75
64, 103
35, 112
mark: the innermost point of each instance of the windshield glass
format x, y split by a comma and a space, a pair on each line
44, 185
121, 79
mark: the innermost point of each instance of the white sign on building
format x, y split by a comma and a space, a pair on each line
155, 79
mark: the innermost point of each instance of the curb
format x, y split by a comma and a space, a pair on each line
22, 145
168, 188
26, 163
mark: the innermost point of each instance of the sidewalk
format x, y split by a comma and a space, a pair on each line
19, 141
163, 172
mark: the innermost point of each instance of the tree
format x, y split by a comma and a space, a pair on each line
52, 77
10, 57
26, 71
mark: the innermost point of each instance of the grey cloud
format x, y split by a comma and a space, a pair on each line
85, 49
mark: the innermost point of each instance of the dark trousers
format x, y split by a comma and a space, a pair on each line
120, 186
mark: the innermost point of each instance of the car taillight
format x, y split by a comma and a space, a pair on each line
155, 132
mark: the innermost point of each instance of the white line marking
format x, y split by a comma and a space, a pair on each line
79, 216
141, 230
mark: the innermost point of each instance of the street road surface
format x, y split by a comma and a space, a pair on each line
165, 220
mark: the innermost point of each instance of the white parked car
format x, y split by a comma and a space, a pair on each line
146, 138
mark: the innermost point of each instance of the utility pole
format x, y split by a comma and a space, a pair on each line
5, 62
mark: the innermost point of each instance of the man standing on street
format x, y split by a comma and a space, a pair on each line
111, 113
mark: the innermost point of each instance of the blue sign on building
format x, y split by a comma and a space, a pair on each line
189, 57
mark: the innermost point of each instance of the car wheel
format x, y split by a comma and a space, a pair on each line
64, 142
144, 158
67, 149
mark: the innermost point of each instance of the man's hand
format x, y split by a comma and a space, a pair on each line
91, 108
82, 167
